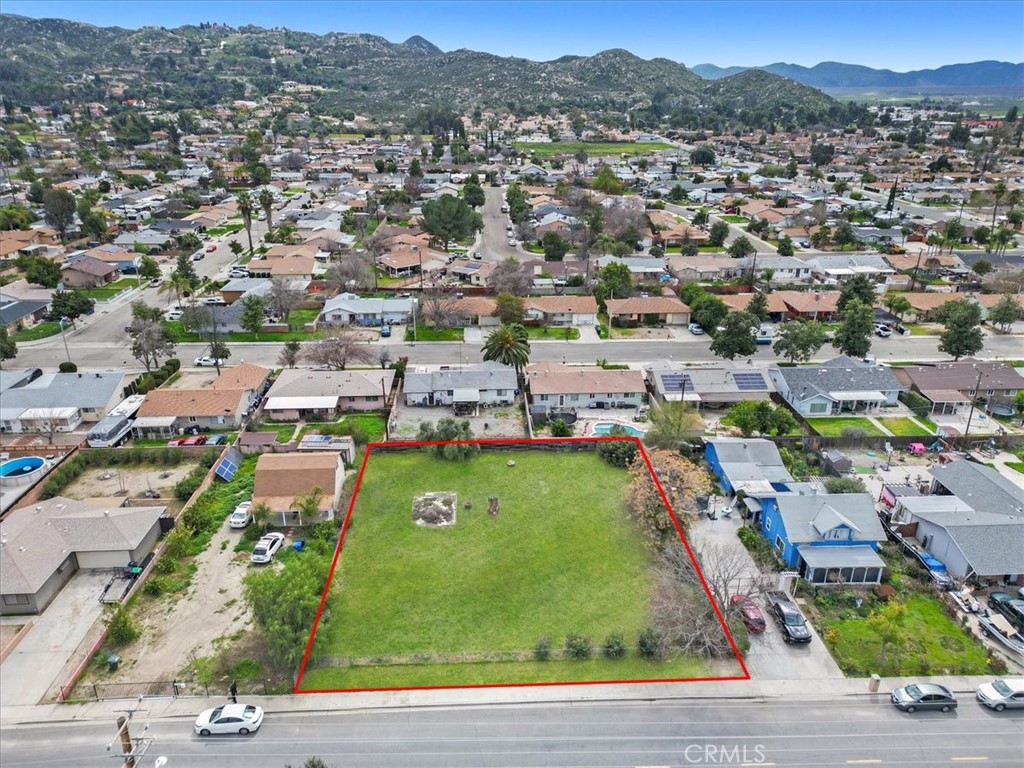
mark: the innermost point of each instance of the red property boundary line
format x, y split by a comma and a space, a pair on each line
512, 441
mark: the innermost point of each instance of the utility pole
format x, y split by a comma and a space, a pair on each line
974, 403
133, 748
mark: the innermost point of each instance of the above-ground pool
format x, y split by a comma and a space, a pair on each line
605, 427
23, 471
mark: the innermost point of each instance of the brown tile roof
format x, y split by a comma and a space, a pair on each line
989, 300
192, 402
244, 376
476, 306
652, 305
808, 302
740, 301
280, 477
556, 379
288, 251
284, 267
91, 266
926, 301
573, 304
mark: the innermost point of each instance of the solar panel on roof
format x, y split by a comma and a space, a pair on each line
228, 466
676, 381
749, 382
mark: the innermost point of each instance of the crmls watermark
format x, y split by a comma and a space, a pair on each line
722, 754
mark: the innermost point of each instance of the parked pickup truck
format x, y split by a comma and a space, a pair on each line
788, 616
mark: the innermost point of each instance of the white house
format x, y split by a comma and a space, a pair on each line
350, 309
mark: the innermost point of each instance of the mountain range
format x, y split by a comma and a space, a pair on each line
48, 61
831, 74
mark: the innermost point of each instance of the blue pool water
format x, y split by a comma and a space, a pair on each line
604, 427
16, 467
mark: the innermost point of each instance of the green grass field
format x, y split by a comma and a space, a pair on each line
902, 426
551, 333
833, 427
594, 149
39, 331
733, 219
560, 557
425, 333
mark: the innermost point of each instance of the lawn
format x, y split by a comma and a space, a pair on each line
924, 330
560, 557
733, 219
1017, 466
102, 294
299, 317
901, 426
551, 333
833, 427
423, 333
937, 645
371, 424
594, 149
228, 229
39, 331
184, 337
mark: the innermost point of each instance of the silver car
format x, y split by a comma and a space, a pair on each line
1002, 694
911, 698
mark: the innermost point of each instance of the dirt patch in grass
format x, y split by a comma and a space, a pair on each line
130, 481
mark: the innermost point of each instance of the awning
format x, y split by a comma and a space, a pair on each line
66, 412
466, 396
689, 397
148, 422
945, 396
315, 403
841, 557
867, 394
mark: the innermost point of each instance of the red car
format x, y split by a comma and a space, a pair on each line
750, 614
211, 248
194, 440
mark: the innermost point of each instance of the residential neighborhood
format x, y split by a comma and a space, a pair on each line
322, 382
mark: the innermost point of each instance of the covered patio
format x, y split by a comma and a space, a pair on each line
947, 401
857, 401
466, 402
841, 565
151, 427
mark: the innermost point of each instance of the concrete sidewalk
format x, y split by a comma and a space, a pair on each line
764, 690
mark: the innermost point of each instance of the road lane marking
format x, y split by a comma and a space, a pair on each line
978, 759
865, 761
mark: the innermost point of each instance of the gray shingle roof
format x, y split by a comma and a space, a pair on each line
807, 517
487, 375
841, 374
65, 390
992, 543
982, 487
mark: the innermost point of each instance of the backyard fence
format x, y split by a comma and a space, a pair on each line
168, 689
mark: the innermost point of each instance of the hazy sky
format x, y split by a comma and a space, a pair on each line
893, 34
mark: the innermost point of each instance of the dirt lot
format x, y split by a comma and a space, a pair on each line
173, 633
130, 481
500, 421
195, 379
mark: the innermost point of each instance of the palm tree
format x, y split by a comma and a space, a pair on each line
266, 201
997, 193
245, 209
508, 344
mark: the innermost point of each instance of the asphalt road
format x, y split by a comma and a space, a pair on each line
597, 735
494, 238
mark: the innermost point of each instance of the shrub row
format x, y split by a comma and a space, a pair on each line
581, 647
67, 472
149, 381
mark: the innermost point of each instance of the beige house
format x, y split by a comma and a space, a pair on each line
555, 385
283, 478
637, 310
166, 412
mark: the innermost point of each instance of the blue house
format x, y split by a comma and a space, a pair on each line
827, 537
753, 466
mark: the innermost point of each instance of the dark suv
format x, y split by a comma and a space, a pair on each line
1010, 607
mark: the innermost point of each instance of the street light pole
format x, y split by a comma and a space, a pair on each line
64, 338
974, 402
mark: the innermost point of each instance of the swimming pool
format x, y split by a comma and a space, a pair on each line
605, 427
22, 471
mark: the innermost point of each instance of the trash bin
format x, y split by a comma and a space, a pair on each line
873, 683
113, 661
299, 545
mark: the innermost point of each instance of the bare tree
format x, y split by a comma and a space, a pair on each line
352, 272
338, 348
441, 311
289, 355
510, 277
728, 569
384, 357
149, 340
283, 297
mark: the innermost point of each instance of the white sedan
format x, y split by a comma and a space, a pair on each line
199, 362
266, 548
230, 718
241, 517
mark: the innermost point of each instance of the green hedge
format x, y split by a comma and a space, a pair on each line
918, 403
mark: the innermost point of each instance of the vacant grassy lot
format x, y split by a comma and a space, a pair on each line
594, 149
906, 427
561, 557
426, 333
833, 427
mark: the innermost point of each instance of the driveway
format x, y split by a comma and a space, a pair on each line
34, 665
769, 658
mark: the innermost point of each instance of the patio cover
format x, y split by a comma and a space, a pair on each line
867, 394
841, 557
49, 413
466, 396
945, 396
319, 402
148, 422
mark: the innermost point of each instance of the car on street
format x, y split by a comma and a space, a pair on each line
512, 242
238, 272
230, 718
154, 282
911, 698
385, 331
211, 248
695, 329
199, 362
193, 440
477, 255
241, 517
804, 243
1002, 694
198, 256
749, 613
173, 314
266, 548
883, 330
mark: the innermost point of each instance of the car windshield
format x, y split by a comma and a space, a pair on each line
794, 619
260, 551
250, 710
913, 691
216, 713
1002, 688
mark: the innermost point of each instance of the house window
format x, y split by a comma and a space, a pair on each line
371, 398
990, 392
351, 399
611, 395
767, 523
818, 407
15, 599
543, 398
501, 392
972, 393
778, 543
193, 419
1011, 392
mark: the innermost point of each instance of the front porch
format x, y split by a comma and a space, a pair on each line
840, 565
